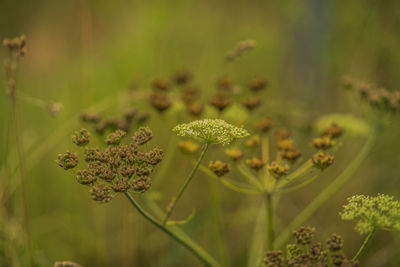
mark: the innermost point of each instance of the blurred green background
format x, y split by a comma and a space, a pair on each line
85, 53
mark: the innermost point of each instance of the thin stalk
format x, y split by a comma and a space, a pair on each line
327, 193
364, 245
200, 254
252, 180
299, 186
270, 221
297, 173
184, 186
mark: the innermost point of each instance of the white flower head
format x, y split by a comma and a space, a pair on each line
211, 131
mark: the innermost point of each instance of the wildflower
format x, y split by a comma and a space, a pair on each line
121, 185
142, 136
370, 213
258, 84
234, 153
251, 103
188, 147
322, 161
141, 184
338, 259
304, 235
115, 137
101, 193
316, 250
81, 138
293, 250
211, 131
324, 142
219, 168
127, 171
256, 163
263, 125
68, 160
277, 170
334, 242
154, 156
85, 177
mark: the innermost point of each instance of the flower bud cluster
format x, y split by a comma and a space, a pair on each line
286, 147
81, 137
277, 170
219, 168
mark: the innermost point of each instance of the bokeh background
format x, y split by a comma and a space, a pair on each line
88, 54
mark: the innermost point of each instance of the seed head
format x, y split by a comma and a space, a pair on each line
81, 137
121, 185
160, 85
85, 177
160, 101
219, 168
274, 259
195, 109
142, 136
324, 142
115, 137
258, 84
293, 250
322, 161
370, 213
141, 184
154, 156
68, 160
220, 101
212, 131
256, 163
101, 193
304, 235
291, 155
282, 134
90, 117
333, 131
277, 170
285, 144
182, 77
253, 141
251, 103
334, 242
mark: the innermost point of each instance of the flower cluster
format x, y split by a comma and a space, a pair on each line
309, 254
211, 131
17, 46
322, 161
376, 97
240, 48
219, 168
286, 146
117, 168
277, 170
81, 137
370, 213
256, 163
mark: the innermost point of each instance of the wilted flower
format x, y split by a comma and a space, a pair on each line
211, 131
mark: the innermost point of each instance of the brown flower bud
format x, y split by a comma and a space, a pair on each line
141, 184
277, 170
234, 153
68, 160
142, 136
322, 161
263, 125
256, 163
101, 193
324, 142
219, 168
81, 138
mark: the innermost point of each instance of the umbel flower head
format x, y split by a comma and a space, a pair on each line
370, 213
211, 131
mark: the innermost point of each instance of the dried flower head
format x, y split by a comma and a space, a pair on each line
81, 137
291, 155
324, 142
219, 168
322, 161
274, 259
115, 137
141, 184
263, 125
304, 235
277, 170
334, 242
188, 147
211, 131
195, 109
85, 177
225, 83
285, 144
17, 45
142, 136
370, 213
234, 153
256, 163
68, 160
220, 101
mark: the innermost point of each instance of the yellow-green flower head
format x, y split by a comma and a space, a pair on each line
211, 131
370, 213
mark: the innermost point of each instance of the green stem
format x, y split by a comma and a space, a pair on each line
183, 188
270, 223
199, 253
329, 191
252, 180
364, 245
301, 185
